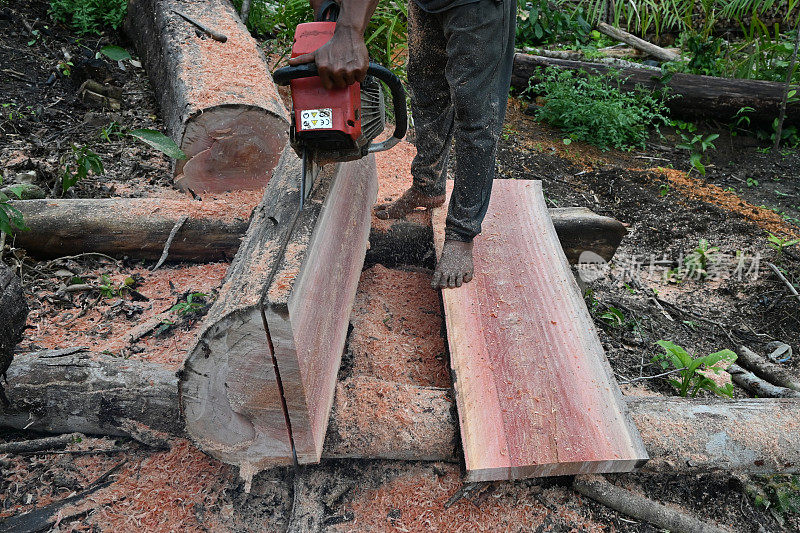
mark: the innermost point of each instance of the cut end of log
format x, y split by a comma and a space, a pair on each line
230, 148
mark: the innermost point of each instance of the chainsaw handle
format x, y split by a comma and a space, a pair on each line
284, 75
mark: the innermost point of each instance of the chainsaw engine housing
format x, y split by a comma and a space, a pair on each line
337, 124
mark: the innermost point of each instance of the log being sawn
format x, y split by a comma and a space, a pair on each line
97, 394
257, 388
217, 98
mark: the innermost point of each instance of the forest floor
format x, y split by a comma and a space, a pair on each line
745, 195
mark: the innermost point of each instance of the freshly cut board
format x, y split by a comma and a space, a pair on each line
534, 390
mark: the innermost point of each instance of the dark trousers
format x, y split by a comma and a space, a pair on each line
459, 73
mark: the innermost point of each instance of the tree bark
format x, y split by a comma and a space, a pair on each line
136, 227
97, 394
13, 314
694, 96
757, 386
217, 98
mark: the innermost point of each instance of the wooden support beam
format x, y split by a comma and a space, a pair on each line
98, 394
284, 308
535, 393
136, 227
693, 96
217, 98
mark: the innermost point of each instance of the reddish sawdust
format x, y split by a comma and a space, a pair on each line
397, 328
100, 329
233, 72
173, 490
394, 177
415, 501
227, 207
698, 189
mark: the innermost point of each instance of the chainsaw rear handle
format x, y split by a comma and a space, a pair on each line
284, 75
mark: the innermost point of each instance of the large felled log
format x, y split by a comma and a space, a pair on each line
693, 95
290, 306
535, 393
98, 394
136, 227
13, 314
139, 227
217, 98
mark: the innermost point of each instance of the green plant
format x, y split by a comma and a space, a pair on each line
696, 143
83, 161
593, 108
65, 68
109, 290
538, 22
159, 141
613, 317
89, 16
11, 218
700, 260
780, 244
697, 373
194, 302
663, 189
778, 493
112, 129
752, 182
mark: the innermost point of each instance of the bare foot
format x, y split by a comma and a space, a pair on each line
455, 265
410, 200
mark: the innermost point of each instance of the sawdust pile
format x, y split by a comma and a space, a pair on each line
397, 329
698, 189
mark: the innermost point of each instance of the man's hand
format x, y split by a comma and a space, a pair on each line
342, 61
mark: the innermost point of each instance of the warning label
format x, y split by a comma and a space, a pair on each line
316, 119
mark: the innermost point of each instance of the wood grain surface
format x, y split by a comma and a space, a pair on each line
535, 393
308, 306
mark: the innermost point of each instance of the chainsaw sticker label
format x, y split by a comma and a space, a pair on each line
316, 119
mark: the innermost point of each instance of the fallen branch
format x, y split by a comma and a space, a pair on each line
38, 445
757, 386
640, 507
639, 44
768, 370
785, 281
217, 36
181, 221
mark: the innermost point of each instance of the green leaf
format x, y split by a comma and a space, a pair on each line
115, 53
160, 142
18, 190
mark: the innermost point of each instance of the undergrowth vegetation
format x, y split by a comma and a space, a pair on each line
89, 16
594, 108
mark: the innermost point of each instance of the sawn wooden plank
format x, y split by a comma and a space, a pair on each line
535, 393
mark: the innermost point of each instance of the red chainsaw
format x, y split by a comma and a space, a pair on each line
339, 124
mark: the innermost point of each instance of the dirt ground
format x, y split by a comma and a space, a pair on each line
666, 208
